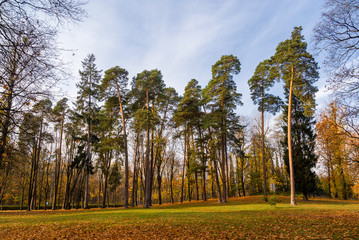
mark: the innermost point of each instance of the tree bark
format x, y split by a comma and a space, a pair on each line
196, 182
219, 195
263, 154
289, 132
147, 202
171, 179
329, 177
204, 194
183, 167
58, 163
242, 177
7, 115
224, 156
134, 179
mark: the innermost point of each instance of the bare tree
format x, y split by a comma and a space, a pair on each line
28, 53
337, 37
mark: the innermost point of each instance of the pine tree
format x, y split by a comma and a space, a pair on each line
221, 96
147, 87
59, 115
187, 115
299, 71
115, 83
262, 80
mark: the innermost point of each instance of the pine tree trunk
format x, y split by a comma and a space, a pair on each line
212, 181
41, 187
171, 180
47, 181
152, 164
263, 156
196, 182
58, 162
242, 178
66, 203
32, 176
329, 177
223, 170
226, 162
219, 195
159, 182
104, 189
134, 179
183, 167
147, 202
204, 194
237, 177
289, 132
188, 175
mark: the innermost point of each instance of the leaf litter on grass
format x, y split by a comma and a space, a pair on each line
240, 218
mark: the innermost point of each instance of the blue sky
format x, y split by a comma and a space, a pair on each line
185, 38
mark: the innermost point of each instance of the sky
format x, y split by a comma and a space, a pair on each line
185, 38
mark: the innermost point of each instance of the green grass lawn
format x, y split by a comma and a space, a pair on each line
240, 218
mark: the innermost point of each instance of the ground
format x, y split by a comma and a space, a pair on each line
240, 218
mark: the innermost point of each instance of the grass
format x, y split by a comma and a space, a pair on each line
240, 218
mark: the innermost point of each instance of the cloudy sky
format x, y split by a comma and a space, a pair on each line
184, 38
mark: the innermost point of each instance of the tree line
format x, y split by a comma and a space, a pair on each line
137, 142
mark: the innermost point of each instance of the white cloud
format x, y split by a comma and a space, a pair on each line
184, 38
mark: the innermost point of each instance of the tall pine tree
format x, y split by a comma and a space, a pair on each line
299, 71
262, 80
222, 97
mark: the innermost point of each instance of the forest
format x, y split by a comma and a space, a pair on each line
131, 141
